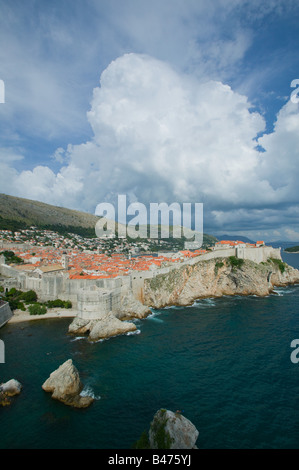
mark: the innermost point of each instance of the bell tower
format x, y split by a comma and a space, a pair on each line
65, 261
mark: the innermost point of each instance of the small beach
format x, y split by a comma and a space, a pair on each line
20, 316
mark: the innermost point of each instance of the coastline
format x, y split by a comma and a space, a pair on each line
19, 316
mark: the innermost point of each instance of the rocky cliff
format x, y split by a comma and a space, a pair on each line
217, 277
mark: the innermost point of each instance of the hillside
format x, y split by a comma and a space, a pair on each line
38, 213
17, 213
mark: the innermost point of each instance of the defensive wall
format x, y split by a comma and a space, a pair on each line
52, 286
257, 255
58, 286
94, 302
5, 313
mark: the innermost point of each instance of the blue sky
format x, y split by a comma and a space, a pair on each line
165, 101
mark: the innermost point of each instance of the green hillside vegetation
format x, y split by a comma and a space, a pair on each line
23, 213
16, 226
19, 214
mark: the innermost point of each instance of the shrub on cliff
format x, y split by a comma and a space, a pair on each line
236, 263
218, 265
161, 436
280, 264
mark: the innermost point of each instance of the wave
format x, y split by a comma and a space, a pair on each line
281, 291
136, 332
153, 316
277, 292
204, 303
78, 338
129, 333
88, 392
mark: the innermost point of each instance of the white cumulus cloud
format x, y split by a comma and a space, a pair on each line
164, 136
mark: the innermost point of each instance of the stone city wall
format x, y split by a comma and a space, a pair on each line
59, 286
5, 313
257, 255
95, 302
52, 286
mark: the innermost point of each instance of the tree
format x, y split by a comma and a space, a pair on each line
37, 309
29, 296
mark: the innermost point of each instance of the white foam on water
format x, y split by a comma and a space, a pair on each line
78, 338
278, 292
153, 317
101, 340
136, 332
173, 307
154, 314
204, 303
88, 392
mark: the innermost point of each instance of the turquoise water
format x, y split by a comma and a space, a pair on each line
224, 362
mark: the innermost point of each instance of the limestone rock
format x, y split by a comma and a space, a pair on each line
66, 386
109, 326
9, 389
105, 327
80, 326
170, 430
214, 278
132, 308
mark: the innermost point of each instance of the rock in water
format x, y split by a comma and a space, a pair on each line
9, 389
105, 327
170, 430
66, 386
109, 326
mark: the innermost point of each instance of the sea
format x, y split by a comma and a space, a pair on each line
225, 363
